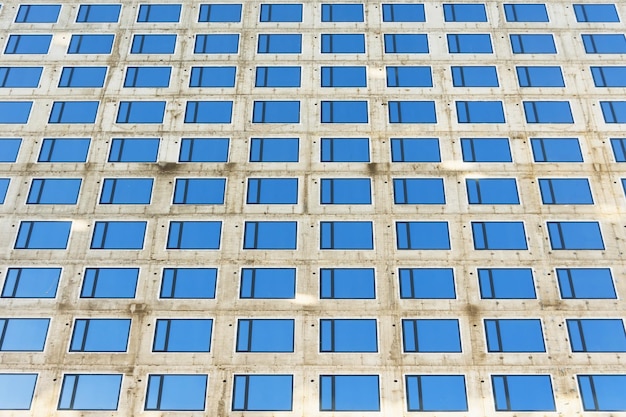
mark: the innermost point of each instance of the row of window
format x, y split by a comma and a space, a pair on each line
291, 43
337, 12
334, 283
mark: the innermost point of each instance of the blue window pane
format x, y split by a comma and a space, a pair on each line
194, 235
586, 283
422, 236
141, 112
523, 393
270, 235
480, 112
492, 191
126, 191
526, 13
514, 335
614, 111
347, 283
533, 44
280, 44
276, 112
345, 335
556, 150
109, 283
217, 43
345, 150
600, 43
499, 236
182, 335
268, 283
475, 76
281, 13
23, 335
603, 392
191, 283
118, 235
418, 191
220, 13
349, 393
540, 77
412, 112
565, 191
208, 111
43, 235
153, 44
400, 12
54, 191
9, 148
176, 392
74, 112
90, 392
272, 191
436, 393
274, 149
548, 112
4, 186
265, 335
469, 44
429, 336
159, 13
15, 112
142, 77
203, 150
98, 13
342, 12
486, 150
596, 13
31, 283
82, 77
406, 43
263, 393
199, 191
212, 76
20, 77
609, 76
17, 391
597, 335
464, 13
344, 77
575, 235
415, 150
344, 112
277, 77
134, 150
409, 77
91, 44
506, 283
38, 13
28, 44
346, 235
345, 191
100, 335
344, 43
423, 283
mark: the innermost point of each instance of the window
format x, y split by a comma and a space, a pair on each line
409, 77
514, 335
141, 112
614, 111
540, 77
176, 392
189, 283
344, 77
575, 235
602, 392
499, 236
276, 112
77, 392
18, 391
596, 13
270, 235
100, 335
220, 13
74, 112
268, 283
159, 13
262, 393
153, 44
344, 43
344, 112
431, 336
265, 335
38, 13
348, 335
109, 283
347, 283
23, 335
20, 77
345, 150
436, 393
339, 12
208, 111
584, 283
9, 148
31, 283
182, 335
418, 191
82, 77
346, 235
533, 44
281, 13
134, 150
118, 235
506, 283
423, 283
523, 393
212, 77
475, 76
345, 191
565, 191
597, 43
556, 150
217, 43
277, 77
415, 150
194, 235
464, 13
54, 191
609, 76
28, 44
43, 235
480, 112
4, 186
403, 12
548, 112
486, 150
412, 112
199, 191
406, 43
144, 77
597, 335
349, 393
91, 44
272, 191
469, 44
203, 150
274, 149
98, 13
15, 112
277, 43
526, 13
126, 191
422, 236
492, 191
